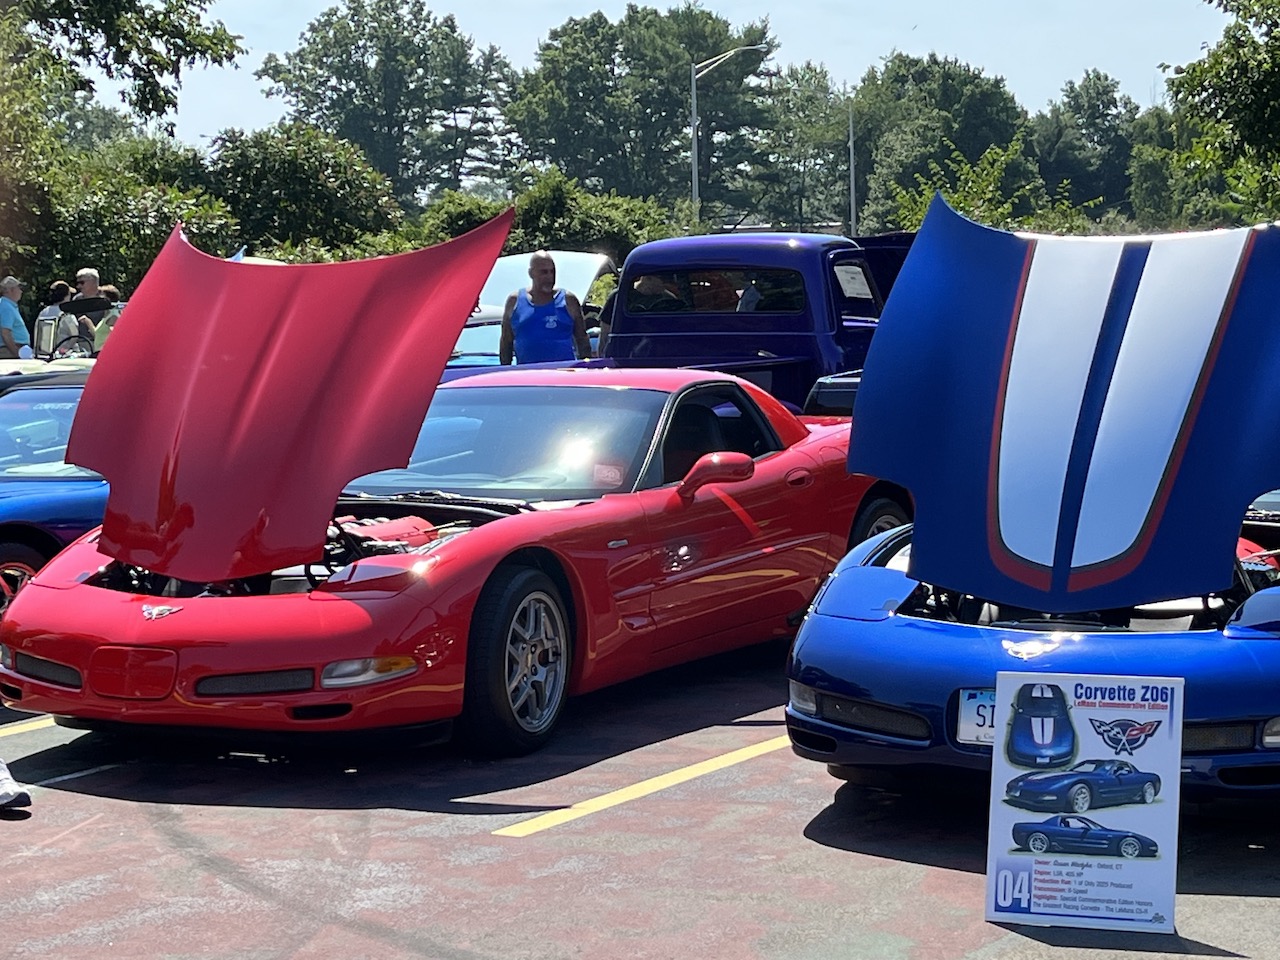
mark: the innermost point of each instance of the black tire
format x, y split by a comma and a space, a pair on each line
1129, 848
518, 660
1079, 798
879, 515
1038, 843
18, 564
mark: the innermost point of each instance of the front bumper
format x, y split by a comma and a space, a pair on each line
238, 663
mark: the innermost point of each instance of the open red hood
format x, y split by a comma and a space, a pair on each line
234, 401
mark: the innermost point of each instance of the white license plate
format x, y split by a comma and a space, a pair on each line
977, 720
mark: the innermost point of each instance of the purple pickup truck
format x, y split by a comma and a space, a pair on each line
792, 312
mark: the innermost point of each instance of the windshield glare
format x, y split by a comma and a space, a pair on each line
527, 443
34, 426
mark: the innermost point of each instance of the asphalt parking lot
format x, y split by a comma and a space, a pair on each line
669, 819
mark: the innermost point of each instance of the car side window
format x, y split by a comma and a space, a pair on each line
709, 420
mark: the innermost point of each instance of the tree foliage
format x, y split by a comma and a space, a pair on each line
802, 176
145, 44
609, 103
979, 191
914, 112
293, 183
406, 87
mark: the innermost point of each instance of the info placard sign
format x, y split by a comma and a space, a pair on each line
1085, 777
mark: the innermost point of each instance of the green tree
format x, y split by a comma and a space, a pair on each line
804, 179
1231, 96
915, 111
407, 88
608, 103
293, 183
147, 45
1085, 140
119, 225
979, 191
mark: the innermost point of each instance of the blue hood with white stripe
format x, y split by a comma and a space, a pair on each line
1082, 421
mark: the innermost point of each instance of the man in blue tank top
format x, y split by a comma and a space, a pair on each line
542, 323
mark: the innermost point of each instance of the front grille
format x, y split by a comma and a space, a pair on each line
863, 715
39, 669
1218, 737
251, 684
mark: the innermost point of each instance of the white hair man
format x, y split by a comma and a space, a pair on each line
15, 339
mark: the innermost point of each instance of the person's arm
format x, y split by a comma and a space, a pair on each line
606, 321
581, 342
507, 342
6, 334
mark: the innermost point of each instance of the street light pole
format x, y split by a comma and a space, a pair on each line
697, 70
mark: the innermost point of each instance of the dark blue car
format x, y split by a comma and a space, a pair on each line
1088, 784
1082, 835
1080, 485
45, 503
1040, 730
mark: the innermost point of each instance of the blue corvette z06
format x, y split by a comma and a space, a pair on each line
1082, 466
1088, 784
1082, 835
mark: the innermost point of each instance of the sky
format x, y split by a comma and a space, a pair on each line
1035, 45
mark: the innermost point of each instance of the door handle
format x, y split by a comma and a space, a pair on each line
799, 478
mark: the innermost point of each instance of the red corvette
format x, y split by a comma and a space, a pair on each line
548, 532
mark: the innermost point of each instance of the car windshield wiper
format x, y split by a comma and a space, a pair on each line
440, 496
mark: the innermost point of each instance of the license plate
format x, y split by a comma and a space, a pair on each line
977, 720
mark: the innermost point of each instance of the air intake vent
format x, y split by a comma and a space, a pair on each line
48, 671
872, 717
1218, 737
254, 684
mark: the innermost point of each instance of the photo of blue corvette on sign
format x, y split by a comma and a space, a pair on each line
1088, 784
1082, 835
1040, 733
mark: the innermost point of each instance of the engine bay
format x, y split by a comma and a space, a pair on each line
362, 527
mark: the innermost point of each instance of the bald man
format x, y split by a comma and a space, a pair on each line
542, 323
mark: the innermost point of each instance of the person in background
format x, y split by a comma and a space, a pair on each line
68, 326
86, 288
542, 323
108, 321
12, 794
15, 339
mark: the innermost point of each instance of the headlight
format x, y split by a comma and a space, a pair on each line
6, 657
354, 673
803, 699
1271, 733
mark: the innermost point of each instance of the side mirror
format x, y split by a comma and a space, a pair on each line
723, 467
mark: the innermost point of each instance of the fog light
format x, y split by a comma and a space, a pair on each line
803, 699
355, 673
1271, 733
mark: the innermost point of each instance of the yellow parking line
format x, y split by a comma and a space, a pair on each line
637, 790
26, 726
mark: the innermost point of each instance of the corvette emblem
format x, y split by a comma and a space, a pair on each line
155, 613
1124, 736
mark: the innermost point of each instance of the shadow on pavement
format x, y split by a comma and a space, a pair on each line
1225, 848
379, 773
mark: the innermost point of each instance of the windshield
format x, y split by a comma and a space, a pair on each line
480, 340
34, 425
574, 272
1089, 766
527, 443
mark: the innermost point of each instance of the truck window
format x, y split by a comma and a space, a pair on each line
763, 290
854, 291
